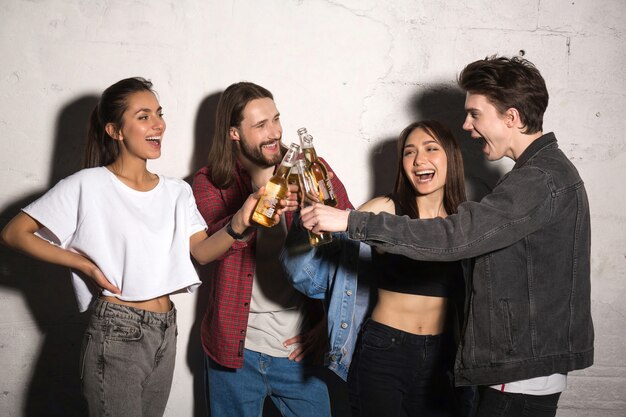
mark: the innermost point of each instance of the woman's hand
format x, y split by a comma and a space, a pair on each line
93, 272
320, 218
19, 234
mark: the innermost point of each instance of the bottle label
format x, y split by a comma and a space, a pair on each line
322, 186
307, 141
329, 187
269, 207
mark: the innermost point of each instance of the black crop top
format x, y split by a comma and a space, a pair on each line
398, 273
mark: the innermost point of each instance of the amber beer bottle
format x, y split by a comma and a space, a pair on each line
309, 186
275, 190
317, 169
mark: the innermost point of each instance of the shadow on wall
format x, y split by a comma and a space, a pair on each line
54, 389
445, 104
203, 133
384, 164
203, 136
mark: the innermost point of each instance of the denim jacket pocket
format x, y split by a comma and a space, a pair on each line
509, 326
123, 330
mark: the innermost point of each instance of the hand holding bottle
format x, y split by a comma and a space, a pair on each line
317, 168
276, 190
312, 197
310, 194
320, 218
243, 217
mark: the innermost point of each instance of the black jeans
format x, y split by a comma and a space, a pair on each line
494, 403
394, 373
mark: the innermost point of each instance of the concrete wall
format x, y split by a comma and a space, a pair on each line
354, 72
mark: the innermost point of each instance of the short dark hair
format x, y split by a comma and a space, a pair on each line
101, 149
229, 113
509, 83
454, 189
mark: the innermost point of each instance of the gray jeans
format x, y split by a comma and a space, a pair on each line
127, 360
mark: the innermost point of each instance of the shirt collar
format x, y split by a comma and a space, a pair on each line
537, 145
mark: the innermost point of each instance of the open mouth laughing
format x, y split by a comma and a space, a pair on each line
155, 140
271, 146
425, 175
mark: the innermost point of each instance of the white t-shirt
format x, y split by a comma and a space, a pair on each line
139, 240
543, 385
277, 310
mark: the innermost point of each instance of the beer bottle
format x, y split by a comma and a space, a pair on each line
309, 186
317, 169
275, 190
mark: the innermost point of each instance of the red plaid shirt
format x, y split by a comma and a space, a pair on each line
223, 330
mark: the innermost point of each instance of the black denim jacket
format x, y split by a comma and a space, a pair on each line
528, 313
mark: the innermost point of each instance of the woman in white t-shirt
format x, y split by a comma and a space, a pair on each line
129, 232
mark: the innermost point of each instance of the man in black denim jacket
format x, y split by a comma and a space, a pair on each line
528, 315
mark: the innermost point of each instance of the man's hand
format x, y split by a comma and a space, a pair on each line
291, 203
320, 218
242, 218
311, 345
312, 197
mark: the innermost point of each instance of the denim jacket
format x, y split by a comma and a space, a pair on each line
329, 273
529, 308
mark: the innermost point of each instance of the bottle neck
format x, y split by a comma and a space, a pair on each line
283, 171
309, 154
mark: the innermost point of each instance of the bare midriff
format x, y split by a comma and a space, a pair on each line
416, 314
160, 304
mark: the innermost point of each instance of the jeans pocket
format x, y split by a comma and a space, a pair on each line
377, 341
123, 330
541, 405
83, 353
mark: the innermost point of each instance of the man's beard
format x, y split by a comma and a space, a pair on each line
256, 156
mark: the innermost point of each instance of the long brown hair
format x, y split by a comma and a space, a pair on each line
229, 113
454, 189
101, 149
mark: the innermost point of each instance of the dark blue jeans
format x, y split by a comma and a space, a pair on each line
394, 373
296, 388
494, 403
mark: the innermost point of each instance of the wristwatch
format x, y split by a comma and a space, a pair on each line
233, 234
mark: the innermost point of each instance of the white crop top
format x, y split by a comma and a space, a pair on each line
139, 240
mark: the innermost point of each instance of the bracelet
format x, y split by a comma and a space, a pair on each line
231, 232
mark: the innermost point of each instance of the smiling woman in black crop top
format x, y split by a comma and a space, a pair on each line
401, 360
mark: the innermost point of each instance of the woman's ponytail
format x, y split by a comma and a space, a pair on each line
101, 149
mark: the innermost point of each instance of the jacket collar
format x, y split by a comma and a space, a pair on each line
534, 148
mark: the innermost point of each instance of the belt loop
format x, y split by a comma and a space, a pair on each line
145, 316
170, 317
101, 307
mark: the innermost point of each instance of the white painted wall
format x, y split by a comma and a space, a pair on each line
355, 72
